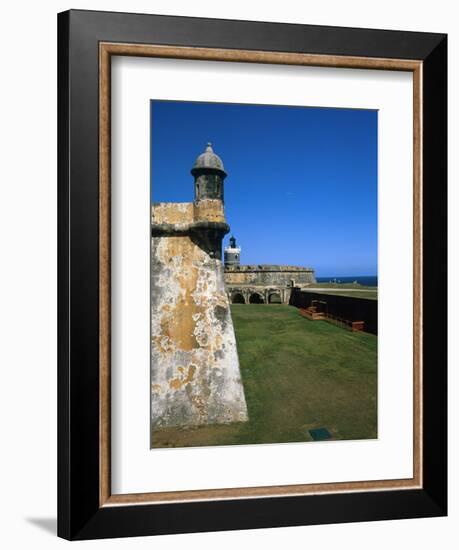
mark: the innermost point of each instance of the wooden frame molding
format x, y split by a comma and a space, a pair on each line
106, 51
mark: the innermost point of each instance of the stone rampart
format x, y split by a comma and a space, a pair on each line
195, 376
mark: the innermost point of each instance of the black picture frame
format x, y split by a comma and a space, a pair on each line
80, 515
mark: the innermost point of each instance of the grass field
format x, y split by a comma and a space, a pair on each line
367, 294
354, 290
342, 286
297, 375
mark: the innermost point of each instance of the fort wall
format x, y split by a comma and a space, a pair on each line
195, 377
269, 275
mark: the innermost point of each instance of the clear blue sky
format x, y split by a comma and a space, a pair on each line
302, 182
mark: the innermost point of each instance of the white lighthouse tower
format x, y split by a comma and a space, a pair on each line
232, 253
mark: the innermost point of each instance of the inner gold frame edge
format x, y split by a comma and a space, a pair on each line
106, 50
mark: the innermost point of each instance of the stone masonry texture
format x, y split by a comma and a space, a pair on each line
195, 377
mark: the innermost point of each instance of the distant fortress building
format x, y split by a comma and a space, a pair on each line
261, 284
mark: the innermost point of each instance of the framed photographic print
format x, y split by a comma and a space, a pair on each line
252, 274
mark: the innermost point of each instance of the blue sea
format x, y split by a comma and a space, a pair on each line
367, 280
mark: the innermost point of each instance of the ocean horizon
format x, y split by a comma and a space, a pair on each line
367, 280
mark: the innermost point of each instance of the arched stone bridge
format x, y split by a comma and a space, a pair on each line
259, 294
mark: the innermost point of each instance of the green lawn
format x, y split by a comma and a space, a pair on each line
354, 290
297, 375
342, 286
368, 294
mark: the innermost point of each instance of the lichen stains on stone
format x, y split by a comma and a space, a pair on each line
191, 373
179, 382
177, 318
175, 384
174, 213
209, 210
221, 313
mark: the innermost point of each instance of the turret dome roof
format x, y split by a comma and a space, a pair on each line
208, 160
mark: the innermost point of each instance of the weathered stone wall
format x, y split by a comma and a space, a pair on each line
269, 275
210, 210
195, 377
244, 294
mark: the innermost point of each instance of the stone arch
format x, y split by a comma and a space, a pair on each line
237, 298
256, 298
274, 298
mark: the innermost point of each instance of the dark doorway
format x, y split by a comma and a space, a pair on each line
274, 298
256, 299
238, 299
